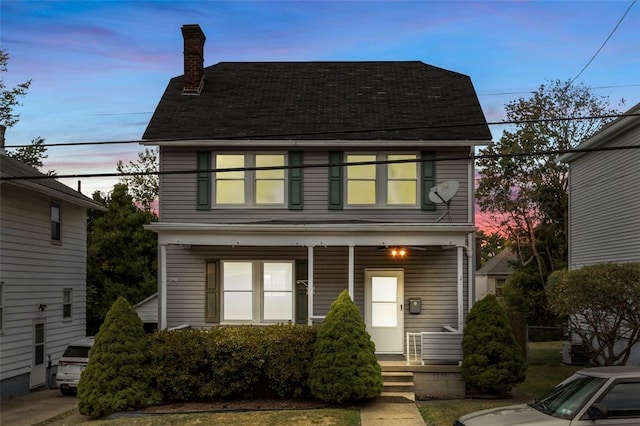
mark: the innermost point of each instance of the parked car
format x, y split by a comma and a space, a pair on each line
71, 364
592, 396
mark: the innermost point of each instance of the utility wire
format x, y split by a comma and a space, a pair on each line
339, 132
604, 43
324, 165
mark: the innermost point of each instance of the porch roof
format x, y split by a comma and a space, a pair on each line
305, 234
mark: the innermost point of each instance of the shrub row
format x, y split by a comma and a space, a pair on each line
232, 362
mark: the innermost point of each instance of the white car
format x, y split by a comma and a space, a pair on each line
592, 396
71, 364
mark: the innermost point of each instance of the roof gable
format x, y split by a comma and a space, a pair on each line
322, 101
500, 264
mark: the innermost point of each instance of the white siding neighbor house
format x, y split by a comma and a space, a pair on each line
43, 235
604, 197
331, 170
491, 278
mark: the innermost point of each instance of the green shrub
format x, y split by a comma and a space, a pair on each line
233, 362
492, 361
117, 377
179, 364
344, 365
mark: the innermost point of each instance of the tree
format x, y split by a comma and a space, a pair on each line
492, 361
141, 177
9, 98
121, 254
529, 192
32, 155
601, 304
344, 365
490, 245
117, 376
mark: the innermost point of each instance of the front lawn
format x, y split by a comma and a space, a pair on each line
544, 372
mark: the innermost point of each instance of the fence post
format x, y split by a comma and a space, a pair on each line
519, 327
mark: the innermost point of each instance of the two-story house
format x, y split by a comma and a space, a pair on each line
284, 183
43, 268
604, 197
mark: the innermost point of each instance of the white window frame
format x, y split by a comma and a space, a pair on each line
257, 292
68, 291
58, 207
250, 179
382, 180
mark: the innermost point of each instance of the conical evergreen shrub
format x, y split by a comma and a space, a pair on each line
117, 376
344, 365
492, 361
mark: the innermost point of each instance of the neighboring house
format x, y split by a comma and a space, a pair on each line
147, 310
491, 278
292, 224
604, 197
43, 240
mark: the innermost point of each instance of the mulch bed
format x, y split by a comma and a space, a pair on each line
241, 405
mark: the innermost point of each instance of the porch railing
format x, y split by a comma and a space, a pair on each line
435, 346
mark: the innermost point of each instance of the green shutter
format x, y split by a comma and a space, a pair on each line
296, 158
335, 180
212, 294
428, 178
302, 298
203, 181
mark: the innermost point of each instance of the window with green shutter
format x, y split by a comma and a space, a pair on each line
203, 181
428, 178
335, 180
212, 294
296, 158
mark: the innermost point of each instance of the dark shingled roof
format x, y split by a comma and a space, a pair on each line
10, 167
500, 264
322, 101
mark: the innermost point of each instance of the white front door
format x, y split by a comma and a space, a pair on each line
38, 365
384, 310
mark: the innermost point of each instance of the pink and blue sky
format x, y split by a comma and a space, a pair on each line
98, 68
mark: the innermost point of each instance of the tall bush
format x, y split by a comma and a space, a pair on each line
492, 361
117, 376
344, 365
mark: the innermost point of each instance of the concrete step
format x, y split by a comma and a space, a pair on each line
397, 376
397, 386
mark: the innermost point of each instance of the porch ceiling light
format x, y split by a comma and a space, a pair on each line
398, 252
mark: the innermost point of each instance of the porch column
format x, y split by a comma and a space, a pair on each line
351, 261
460, 288
162, 293
310, 285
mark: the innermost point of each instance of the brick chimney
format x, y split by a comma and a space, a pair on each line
193, 59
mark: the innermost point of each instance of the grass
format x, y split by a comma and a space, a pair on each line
324, 417
544, 372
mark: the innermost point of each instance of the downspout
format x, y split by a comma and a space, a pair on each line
471, 263
162, 323
351, 261
460, 288
310, 285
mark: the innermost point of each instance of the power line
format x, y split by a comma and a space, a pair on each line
338, 132
325, 165
604, 43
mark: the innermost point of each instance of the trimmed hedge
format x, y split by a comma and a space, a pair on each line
233, 362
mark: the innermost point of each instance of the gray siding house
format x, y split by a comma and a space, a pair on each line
604, 198
493, 275
285, 183
43, 228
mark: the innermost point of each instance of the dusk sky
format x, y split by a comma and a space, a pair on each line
98, 68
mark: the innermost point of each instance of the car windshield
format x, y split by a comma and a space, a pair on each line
566, 399
77, 352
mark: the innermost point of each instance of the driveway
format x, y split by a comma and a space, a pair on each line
35, 407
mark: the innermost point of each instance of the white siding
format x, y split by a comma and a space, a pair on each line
605, 205
35, 271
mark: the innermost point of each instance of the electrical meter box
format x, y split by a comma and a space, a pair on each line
415, 306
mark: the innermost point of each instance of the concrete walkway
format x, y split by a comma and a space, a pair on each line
390, 413
35, 407
43, 405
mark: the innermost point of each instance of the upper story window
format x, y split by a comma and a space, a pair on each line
55, 222
384, 184
250, 187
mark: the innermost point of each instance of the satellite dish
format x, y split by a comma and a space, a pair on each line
443, 193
